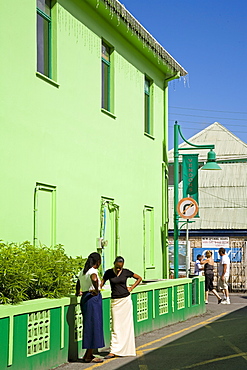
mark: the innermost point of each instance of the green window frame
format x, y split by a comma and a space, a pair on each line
109, 231
148, 228
106, 76
148, 129
44, 23
40, 189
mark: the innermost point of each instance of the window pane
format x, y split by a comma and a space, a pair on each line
149, 236
105, 86
147, 115
42, 45
106, 52
45, 6
147, 87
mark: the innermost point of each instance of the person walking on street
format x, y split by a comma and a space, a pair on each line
198, 268
209, 276
88, 287
224, 272
122, 337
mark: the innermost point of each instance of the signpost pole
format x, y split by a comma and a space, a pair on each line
211, 164
176, 182
187, 250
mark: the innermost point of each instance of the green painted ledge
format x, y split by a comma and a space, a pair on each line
49, 303
31, 306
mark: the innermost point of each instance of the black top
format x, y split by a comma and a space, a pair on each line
208, 269
118, 283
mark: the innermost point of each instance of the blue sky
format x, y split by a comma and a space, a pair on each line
209, 39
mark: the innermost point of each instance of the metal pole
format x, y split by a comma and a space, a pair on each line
187, 250
176, 181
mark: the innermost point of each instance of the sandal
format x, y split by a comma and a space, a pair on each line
97, 360
86, 360
109, 356
93, 359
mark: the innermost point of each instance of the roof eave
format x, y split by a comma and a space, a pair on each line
118, 10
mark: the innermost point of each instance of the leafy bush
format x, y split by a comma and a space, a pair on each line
29, 272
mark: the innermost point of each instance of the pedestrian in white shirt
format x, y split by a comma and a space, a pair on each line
224, 272
198, 268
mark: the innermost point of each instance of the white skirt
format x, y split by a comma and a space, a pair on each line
122, 336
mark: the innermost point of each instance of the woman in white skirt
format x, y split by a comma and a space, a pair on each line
122, 337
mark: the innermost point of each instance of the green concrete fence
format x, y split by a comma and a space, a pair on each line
45, 333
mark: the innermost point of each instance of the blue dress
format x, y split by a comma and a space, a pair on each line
91, 308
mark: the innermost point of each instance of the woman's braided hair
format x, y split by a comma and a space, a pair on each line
92, 259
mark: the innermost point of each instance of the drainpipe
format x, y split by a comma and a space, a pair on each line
165, 139
165, 182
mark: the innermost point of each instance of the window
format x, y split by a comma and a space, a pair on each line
44, 37
109, 231
105, 76
44, 214
148, 228
148, 107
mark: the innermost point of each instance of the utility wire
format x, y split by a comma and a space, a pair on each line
209, 110
223, 222
196, 128
193, 115
206, 123
226, 200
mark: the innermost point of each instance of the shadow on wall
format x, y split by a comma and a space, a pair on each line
73, 354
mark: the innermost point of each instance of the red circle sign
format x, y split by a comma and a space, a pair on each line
187, 208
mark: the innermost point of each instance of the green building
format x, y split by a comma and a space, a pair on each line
84, 116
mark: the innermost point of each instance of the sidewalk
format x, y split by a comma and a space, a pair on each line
217, 339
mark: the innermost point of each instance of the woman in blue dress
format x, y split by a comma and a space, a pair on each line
88, 286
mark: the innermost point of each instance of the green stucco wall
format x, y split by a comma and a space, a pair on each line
58, 135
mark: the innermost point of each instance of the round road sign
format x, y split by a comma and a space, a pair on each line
187, 208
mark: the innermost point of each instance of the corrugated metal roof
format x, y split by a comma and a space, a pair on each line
227, 145
222, 194
230, 175
136, 28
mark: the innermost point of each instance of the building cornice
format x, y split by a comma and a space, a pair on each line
123, 15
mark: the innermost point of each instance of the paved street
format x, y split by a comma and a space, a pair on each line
215, 340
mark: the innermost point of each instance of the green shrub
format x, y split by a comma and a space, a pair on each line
29, 272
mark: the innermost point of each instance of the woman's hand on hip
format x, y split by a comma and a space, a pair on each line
94, 292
